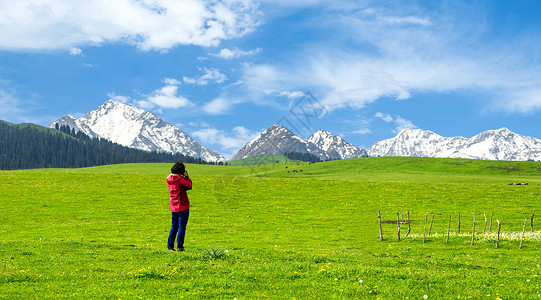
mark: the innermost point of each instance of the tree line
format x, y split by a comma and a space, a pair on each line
29, 146
307, 157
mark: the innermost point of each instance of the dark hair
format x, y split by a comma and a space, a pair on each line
178, 168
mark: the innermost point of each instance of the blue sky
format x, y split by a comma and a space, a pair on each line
223, 71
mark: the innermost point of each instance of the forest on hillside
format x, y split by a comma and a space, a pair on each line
29, 146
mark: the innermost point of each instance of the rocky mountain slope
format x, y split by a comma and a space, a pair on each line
136, 128
335, 146
277, 140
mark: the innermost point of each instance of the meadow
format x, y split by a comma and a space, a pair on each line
279, 231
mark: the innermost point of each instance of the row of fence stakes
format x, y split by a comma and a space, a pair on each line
407, 221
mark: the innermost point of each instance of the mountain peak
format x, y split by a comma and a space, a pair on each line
335, 146
500, 144
277, 140
112, 102
136, 128
413, 131
503, 130
406, 130
68, 117
322, 132
277, 128
67, 120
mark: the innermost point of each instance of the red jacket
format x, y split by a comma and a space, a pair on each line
177, 188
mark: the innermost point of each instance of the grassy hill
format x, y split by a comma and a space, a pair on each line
101, 231
352, 169
30, 146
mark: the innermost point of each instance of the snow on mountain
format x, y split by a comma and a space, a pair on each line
335, 146
415, 142
276, 140
501, 144
68, 120
136, 128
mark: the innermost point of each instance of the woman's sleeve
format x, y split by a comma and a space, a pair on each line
186, 183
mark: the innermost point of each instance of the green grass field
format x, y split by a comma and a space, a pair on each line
262, 159
287, 230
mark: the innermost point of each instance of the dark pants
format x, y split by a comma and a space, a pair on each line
178, 224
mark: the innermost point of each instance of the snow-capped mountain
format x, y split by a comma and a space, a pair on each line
136, 128
501, 144
335, 146
276, 140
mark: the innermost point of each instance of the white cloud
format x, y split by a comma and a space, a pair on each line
363, 131
292, 94
524, 101
156, 24
164, 97
17, 106
402, 123
119, 98
211, 75
409, 20
384, 17
199, 124
403, 51
288, 94
144, 104
9, 106
75, 51
226, 53
398, 122
385, 117
167, 97
218, 106
266, 79
171, 81
228, 142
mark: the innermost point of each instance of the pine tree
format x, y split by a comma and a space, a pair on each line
32, 146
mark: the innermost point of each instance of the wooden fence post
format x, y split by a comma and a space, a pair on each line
409, 225
498, 237
458, 222
523, 229
448, 228
430, 230
473, 231
380, 231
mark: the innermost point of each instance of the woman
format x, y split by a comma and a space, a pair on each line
178, 183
